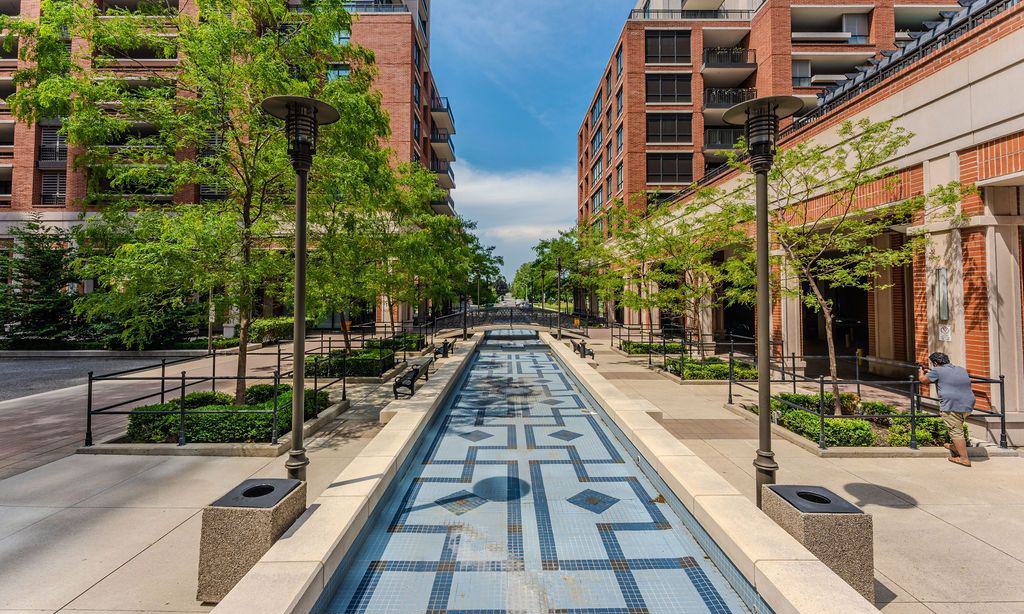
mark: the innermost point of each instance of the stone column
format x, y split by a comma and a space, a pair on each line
1003, 248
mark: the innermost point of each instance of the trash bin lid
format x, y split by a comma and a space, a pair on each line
259, 492
814, 499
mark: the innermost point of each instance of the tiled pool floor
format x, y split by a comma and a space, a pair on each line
524, 501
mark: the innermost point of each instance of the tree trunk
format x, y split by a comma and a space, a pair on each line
832, 363
243, 341
345, 334
209, 322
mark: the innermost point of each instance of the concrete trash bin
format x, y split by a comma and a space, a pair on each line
240, 527
834, 530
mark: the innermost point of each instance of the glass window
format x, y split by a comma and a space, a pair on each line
618, 62
597, 169
416, 91
618, 139
415, 127
597, 202
595, 112
801, 73
858, 25
608, 150
608, 85
669, 128
342, 38
618, 177
668, 46
618, 103
669, 88
416, 55
597, 141
669, 168
54, 188
338, 71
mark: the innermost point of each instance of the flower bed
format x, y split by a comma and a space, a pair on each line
212, 418
854, 431
710, 369
361, 363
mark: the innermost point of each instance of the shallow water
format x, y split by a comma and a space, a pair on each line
524, 501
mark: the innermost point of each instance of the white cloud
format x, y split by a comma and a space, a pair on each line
516, 208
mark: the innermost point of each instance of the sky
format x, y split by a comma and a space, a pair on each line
519, 75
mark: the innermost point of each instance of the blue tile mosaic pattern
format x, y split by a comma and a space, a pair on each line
547, 514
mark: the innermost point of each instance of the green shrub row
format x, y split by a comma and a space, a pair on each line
411, 342
361, 363
265, 330
643, 347
219, 343
711, 369
213, 419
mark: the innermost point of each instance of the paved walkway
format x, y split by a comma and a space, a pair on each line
947, 539
121, 533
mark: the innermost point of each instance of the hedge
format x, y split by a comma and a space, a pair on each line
711, 369
207, 422
265, 330
411, 342
361, 363
642, 347
220, 343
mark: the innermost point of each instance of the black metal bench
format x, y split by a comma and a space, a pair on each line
407, 379
582, 349
445, 349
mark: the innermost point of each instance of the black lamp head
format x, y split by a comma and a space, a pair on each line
760, 120
302, 117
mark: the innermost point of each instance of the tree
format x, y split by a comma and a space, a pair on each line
228, 61
828, 226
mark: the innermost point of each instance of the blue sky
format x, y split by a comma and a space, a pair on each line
519, 74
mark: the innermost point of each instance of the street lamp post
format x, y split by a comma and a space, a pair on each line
302, 118
558, 289
465, 314
760, 120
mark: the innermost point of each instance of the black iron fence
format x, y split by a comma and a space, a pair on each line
894, 392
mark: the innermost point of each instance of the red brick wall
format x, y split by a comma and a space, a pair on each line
976, 327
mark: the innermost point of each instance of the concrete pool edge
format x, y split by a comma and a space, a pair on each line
786, 575
293, 574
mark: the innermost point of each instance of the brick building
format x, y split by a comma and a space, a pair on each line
954, 79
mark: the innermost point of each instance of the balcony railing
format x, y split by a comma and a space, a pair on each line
722, 138
725, 97
668, 14
442, 167
374, 7
53, 153
802, 82
442, 137
726, 57
441, 104
53, 199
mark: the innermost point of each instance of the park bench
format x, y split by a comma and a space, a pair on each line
582, 349
445, 349
407, 379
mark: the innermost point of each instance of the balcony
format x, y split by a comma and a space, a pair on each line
53, 156
441, 142
441, 112
444, 206
727, 66
721, 139
373, 6
709, 11
444, 172
725, 97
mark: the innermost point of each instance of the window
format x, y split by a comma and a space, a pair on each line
618, 103
595, 112
608, 85
618, 139
597, 169
416, 55
416, 91
608, 150
668, 88
618, 177
55, 188
415, 127
597, 141
669, 168
801, 73
668, 46
597, 202
342, 38
618, 62
610, 187
53, 146
858, 25
669, 128
338, 71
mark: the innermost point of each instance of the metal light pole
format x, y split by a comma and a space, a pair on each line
558, 262
302, 117
464, 300
760, 119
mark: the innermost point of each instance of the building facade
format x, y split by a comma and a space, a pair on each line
956, 84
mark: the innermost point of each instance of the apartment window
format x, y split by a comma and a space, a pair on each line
338, 71
669, 88
53, 146
415, 127
669, 128
801, 73
342, 38
608, 85
597, 141
595, 112
618, 62
608, 150
54, 188
858, 25
669, 168
416, 91
597, 169
668, 46
618, 177
416, 55
618, 103
597, 202
618, 139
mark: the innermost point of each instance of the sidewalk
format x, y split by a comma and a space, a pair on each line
947, 539
121, 533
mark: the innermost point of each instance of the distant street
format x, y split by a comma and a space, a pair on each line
27, 376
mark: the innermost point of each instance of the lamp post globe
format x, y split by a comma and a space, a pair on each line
760, 120
302, 119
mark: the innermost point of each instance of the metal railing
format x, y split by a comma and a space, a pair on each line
728, 56
668, 14
371, 6
722, 138
53, 153
725, 97
909, 390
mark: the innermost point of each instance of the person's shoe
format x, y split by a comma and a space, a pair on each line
961, 449
952, 450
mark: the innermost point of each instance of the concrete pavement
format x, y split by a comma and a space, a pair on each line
947, 539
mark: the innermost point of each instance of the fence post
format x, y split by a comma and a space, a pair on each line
821, 412
273, 421
213, 371
913, 413
316, 375
856, 372
163, 376
344, 376
88, 413
730, 376
664, 350
279, 356
732, 344
682, 364
181, 412
793, 366
1002, 411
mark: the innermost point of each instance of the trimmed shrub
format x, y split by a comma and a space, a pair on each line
361, 363
203, 398
410, 342
261, 393
265, 330
838, 431
711, 369
219, 343
219, 422
643, 347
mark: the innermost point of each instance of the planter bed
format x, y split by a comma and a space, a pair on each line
711, 368
361, 363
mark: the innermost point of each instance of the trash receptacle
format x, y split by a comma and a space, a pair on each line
836, 531
240, 527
